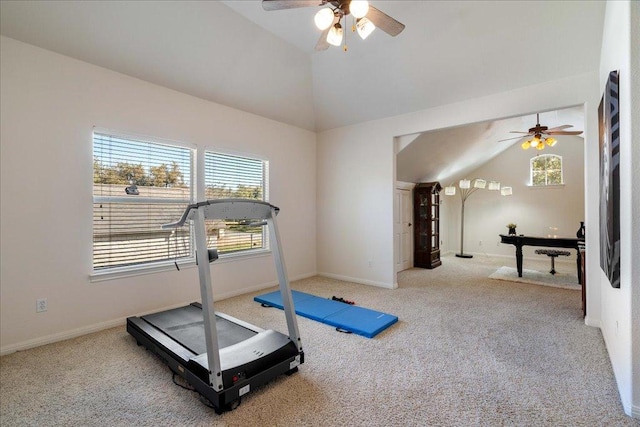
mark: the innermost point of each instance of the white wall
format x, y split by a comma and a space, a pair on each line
533, 209
616, 321
356, 182
49, 105
239, 64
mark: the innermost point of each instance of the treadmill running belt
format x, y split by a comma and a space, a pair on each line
185, 325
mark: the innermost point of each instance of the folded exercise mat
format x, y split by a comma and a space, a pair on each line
359, 320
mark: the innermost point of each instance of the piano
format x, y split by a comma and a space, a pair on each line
550, 242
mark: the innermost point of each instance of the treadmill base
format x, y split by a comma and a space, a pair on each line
178, 359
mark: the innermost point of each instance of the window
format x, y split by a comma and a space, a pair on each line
138, 185
546, 170
232, 176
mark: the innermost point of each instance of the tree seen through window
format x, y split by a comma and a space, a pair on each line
546, 169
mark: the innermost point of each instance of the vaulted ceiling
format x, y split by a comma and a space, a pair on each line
450, 154
450, 51
237, 54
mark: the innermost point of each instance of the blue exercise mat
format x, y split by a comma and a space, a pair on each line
359, 320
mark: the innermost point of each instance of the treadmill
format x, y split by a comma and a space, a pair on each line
221, 357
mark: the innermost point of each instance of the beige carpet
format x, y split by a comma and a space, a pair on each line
467, 351
534, 277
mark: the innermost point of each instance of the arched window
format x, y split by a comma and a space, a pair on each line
546, 169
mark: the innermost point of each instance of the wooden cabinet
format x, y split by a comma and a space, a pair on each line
426, 218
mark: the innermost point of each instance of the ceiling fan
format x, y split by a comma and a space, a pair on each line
366, 18
542, 135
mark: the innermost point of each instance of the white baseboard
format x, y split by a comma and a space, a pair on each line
358, 280
74, 333
96, 327
589, 321
61, 336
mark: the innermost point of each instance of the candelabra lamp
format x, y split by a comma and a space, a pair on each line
467, 187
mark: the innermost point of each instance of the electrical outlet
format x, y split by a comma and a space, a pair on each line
41, 305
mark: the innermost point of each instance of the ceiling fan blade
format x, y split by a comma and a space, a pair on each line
384, 22
518, 131
290, 4
515, 137
565, 132
559, 128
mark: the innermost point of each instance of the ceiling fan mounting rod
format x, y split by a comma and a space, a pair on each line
537, 128
343, 5
340, 7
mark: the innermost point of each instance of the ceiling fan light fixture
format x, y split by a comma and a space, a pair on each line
506, 191
542, 135
365, 27
358, 8
324, 18
494, 185
334, 37
333, 11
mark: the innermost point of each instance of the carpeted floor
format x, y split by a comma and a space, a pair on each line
467, 351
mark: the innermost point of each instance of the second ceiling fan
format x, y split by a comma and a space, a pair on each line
542, 135
366, 18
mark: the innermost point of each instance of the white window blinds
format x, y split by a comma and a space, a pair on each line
231, 176
139, 185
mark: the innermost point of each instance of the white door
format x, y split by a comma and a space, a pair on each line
407, 230
403, 206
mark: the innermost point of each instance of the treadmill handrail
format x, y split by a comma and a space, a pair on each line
224, 209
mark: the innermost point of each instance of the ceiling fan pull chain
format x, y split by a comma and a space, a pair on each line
345, 47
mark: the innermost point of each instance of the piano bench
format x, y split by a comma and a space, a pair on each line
552, 253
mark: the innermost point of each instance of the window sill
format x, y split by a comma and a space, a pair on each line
546, 187
122, 272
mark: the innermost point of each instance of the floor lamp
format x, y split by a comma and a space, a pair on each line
467, 188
